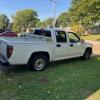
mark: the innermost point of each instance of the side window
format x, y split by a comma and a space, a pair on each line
73, 38
61, 36
43, 33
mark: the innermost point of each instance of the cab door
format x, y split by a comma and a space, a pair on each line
60, 46
75, 47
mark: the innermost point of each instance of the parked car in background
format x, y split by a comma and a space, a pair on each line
1, 31
8, 34
4, 30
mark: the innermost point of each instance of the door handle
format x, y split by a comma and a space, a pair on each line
58, 45
71, 45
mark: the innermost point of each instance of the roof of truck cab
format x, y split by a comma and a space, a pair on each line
50, 29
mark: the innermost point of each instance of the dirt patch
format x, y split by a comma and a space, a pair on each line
43, 80
96, 48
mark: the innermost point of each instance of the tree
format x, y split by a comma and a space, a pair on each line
16, 28
79, 30
87, 11
4, 21
63, 20
75, 2
39, 23
25, 19
49, 22
46, 23
84, 13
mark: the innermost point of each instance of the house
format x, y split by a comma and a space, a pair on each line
95, 30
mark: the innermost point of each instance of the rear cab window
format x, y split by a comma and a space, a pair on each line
42, 32
61, 36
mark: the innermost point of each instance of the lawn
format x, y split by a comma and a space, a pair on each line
64, 80
91, 37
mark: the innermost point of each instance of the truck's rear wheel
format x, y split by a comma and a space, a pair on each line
38, 63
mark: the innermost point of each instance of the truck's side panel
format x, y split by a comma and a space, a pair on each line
22, 52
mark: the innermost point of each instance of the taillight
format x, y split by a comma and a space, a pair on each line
9, 51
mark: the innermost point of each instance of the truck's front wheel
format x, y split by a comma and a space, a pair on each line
87, 54
38, 63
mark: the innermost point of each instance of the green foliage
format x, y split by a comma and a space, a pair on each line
46, 23
25, 19
78, 29
49, 22
84, 11
16, 28
4, 21
75, 2
41, 24
91, 37
63, 20
38, 24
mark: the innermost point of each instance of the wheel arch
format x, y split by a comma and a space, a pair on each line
88, 48
39, 53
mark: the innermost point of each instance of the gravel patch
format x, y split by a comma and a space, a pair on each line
96, 47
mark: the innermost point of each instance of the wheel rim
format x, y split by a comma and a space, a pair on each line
39, 64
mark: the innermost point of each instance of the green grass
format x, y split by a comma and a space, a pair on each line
91, 37
64, 80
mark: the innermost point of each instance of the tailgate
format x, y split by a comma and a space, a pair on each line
3, 48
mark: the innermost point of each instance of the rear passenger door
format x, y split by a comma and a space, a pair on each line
61, 46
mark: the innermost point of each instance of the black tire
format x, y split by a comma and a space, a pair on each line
87, 55
38, 63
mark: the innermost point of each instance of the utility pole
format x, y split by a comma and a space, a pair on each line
54, 15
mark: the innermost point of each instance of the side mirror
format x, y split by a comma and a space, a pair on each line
82, 41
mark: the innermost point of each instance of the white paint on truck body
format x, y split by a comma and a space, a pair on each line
24, 47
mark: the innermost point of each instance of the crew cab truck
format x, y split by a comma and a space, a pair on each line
43, 46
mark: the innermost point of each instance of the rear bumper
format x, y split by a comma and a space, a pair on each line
3, 60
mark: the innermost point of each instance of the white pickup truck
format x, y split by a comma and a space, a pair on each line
43, 46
